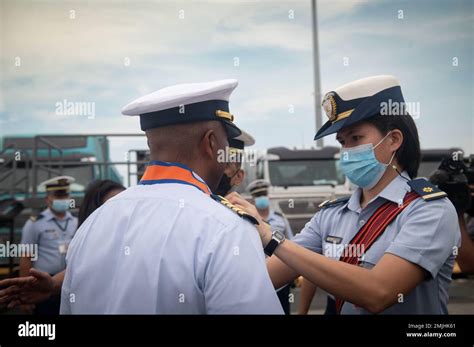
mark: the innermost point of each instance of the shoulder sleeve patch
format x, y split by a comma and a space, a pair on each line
427, 190
334, 202
241, 213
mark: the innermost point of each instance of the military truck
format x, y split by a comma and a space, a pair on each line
300, 180
27, 160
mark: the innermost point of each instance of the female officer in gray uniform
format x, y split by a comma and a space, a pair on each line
389, 247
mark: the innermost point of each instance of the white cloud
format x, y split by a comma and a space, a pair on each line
44, 36
82, 59
334, 8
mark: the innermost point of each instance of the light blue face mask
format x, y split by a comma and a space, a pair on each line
262, 202
360, 165
60, 205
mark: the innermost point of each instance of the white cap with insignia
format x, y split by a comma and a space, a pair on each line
258, 186
59, 183
185, 103
357, 101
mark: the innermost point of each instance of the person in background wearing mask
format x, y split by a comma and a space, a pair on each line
234, 174
388, 248
51, 231
259, 191
39, 285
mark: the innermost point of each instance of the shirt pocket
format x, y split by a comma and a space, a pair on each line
49, 235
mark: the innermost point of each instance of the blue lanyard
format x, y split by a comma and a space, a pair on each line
59, 225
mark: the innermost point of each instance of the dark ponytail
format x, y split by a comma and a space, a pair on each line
94, 197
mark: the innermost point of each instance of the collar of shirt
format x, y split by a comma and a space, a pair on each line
395, 191
159, 172
48, 215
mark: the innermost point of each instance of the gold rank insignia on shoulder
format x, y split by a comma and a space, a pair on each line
426, 190
34, 218
241, 213
333, 202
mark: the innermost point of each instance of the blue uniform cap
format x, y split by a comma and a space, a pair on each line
242, 141
357, 101
186, 103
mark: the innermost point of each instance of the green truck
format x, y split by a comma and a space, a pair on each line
27, 160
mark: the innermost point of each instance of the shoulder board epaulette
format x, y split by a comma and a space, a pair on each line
334, 202
241, 213
427, 190
36, 217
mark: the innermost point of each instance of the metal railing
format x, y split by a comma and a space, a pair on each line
54, 162
6, 172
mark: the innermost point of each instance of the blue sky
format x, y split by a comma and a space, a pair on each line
81, 59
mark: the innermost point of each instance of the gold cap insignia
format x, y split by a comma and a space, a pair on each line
225, 115
329, 106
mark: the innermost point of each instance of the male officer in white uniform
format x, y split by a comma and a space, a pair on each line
168, 245
52, 231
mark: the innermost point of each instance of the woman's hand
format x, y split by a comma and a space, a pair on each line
263, 228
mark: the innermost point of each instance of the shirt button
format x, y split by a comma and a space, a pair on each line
361, 222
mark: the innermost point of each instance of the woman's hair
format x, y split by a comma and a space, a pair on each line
409, 153
94, 197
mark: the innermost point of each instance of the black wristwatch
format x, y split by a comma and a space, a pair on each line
277, 239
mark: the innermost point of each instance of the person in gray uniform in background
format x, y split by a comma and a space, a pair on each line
259, 191
52, 231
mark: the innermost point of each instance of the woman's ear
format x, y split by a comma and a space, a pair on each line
239, 177
396, 137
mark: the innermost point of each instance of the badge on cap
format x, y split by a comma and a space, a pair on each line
330, 106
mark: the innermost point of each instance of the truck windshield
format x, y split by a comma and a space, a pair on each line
427, 168
305, 172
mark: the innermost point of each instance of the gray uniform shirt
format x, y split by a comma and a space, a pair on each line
425, 233
52, 235
279, 222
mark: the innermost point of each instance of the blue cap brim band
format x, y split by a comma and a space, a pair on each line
368, 108
233, 143
197, 112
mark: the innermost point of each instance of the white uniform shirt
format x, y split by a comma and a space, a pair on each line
166, 248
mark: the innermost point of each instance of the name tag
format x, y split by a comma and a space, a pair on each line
51, 234
333, 239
